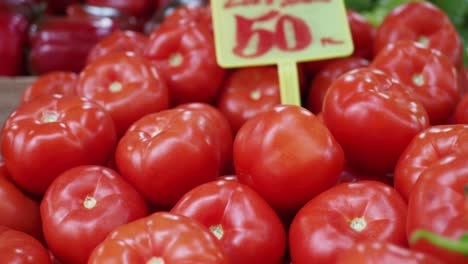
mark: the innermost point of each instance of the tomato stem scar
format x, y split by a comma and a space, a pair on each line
358, 224
418, 79
255, 95
49, 117
115, 87
155, 260
458, 246
218, 231
89, 202
176, 59
423, 40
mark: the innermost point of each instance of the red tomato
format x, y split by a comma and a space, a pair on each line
19, 247
117, 42
350, 174
126, 85
248, 228
13, 35
461, 111
429, 75
373, 117
18, 211
325, 77
58, 82
223, 131
344, 215
190, 14
422, 22
92, 201
160, 238
438, 204
383, 253
185, 55
166, 154
425, 149
51, 134
288, 156
247, 92
133, 8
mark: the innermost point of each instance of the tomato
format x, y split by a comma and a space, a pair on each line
160, 238
373, 117
350, 174
92, 201
18, 211
223, 131
425, 149
51, 134
248, 92
117, 42
57, 82
383, 253
134, 7
438, 204
13, 36
288, 156
344, 215
461, 111
19, 247
422, 22
120, 80
190, 14
166, 154
325, 77
185, 55
248, 228
429, 75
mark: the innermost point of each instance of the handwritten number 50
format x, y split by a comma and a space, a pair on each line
290, 34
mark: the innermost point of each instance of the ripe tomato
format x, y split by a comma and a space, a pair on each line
160, 238
461, 111
248, 92
92, 201
350, 174
185, 55
126, 85
438, 205
429, 75
57, 82
223, 131
190, 14
425, 149
373, 117
248, 228
383, 253
166, 154
117, 42
18, 211
51, 134
287, 156
325, 77
19, 247
344, 215
422, 22
132, 8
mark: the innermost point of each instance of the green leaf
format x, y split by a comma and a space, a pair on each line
456, 10
359, 5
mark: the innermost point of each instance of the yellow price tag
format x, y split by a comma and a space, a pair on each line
282, 32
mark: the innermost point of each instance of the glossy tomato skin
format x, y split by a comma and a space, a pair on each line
57, 82
185, 56
117, 42
92, 201
49, 135
19, 247
13, 36
325, 77
126, 85
190, 14
223, 131
383, 253
162, 238
360, 109
134, 7
429, 74
18, 211
346, 214
248, 92
166, 154
423, 22
461, 111
287, 156
438, 204
248, 228
429, 146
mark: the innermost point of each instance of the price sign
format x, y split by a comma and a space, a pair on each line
282, 32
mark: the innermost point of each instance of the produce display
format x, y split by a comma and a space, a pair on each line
132, 145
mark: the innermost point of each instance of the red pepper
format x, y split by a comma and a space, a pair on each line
13, 34
61, 43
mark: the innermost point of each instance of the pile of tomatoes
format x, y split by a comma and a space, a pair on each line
154, 154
